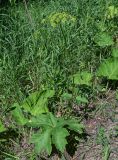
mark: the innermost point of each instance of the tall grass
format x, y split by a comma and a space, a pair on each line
34, 55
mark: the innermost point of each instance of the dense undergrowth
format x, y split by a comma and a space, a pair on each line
57, 60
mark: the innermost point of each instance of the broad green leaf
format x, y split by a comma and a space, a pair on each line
80, 99
52, 131
2, 127
49, 93
61, 122
59, 135
72, 124
43, 120
30, 101
109, 69
103, 39
53, 119
66, 96
37, 102
18, 115
82, 78
42, 141
42, 102
115, 52
75, 126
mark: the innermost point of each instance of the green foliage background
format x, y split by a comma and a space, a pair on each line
43, 44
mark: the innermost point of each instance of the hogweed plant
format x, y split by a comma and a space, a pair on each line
108, 68
49, 130
53, 130
55, 19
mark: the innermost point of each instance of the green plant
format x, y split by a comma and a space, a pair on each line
82, 78
77, 97
115, 52
35, 104
53, 130
2, 127
12, 1
117, 94
44, 43
116, 129
55, 19
106, 152
2, 130
101, 137
66, 96
112, 11
103, 39
18, 115
103, 140
81, 99
109, 69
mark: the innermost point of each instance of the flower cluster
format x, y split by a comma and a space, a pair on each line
59, 18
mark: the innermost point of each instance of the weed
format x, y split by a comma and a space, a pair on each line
54, 58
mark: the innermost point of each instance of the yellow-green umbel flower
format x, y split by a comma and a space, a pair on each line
59, 18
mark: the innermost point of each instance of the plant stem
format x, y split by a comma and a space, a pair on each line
28, 14
10, 155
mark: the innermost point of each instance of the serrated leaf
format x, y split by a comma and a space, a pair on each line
42, 141
53, 119
72, 124
81, 99
59, 135
30, 101
61, 122
49, 93
2, 127
82, 78
66, 96
37, 102
53, 131
109, 69
18, 115
115, 52
43, 120
75, 126
103, 39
